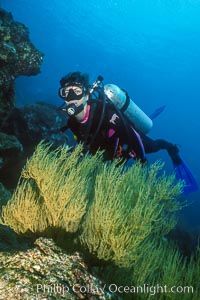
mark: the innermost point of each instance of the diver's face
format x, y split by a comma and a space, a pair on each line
73, 94
75, 98
77, 103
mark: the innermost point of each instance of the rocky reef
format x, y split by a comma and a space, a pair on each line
18, 56
33, 266
45, 271
39, 270
87, 206
21, 129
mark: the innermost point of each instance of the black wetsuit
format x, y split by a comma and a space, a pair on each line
152, 146
116, 135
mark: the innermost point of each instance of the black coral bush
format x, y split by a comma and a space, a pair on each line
119, 215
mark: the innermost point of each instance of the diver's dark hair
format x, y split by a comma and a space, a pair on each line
78, 77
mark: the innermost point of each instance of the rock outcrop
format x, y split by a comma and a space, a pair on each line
18, 56
45, 271
21, 129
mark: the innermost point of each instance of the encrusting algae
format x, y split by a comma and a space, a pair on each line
118, 216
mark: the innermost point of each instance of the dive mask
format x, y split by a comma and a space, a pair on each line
72, 92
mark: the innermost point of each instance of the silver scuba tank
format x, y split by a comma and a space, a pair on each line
126, 105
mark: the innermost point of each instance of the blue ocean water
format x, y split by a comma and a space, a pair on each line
149, 47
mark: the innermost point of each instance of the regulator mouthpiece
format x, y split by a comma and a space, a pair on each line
73, 110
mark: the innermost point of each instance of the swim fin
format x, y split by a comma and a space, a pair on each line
157, 112
183, 172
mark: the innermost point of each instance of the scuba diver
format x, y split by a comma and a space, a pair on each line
103, 117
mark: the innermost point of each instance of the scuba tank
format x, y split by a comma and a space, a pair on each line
122, 101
